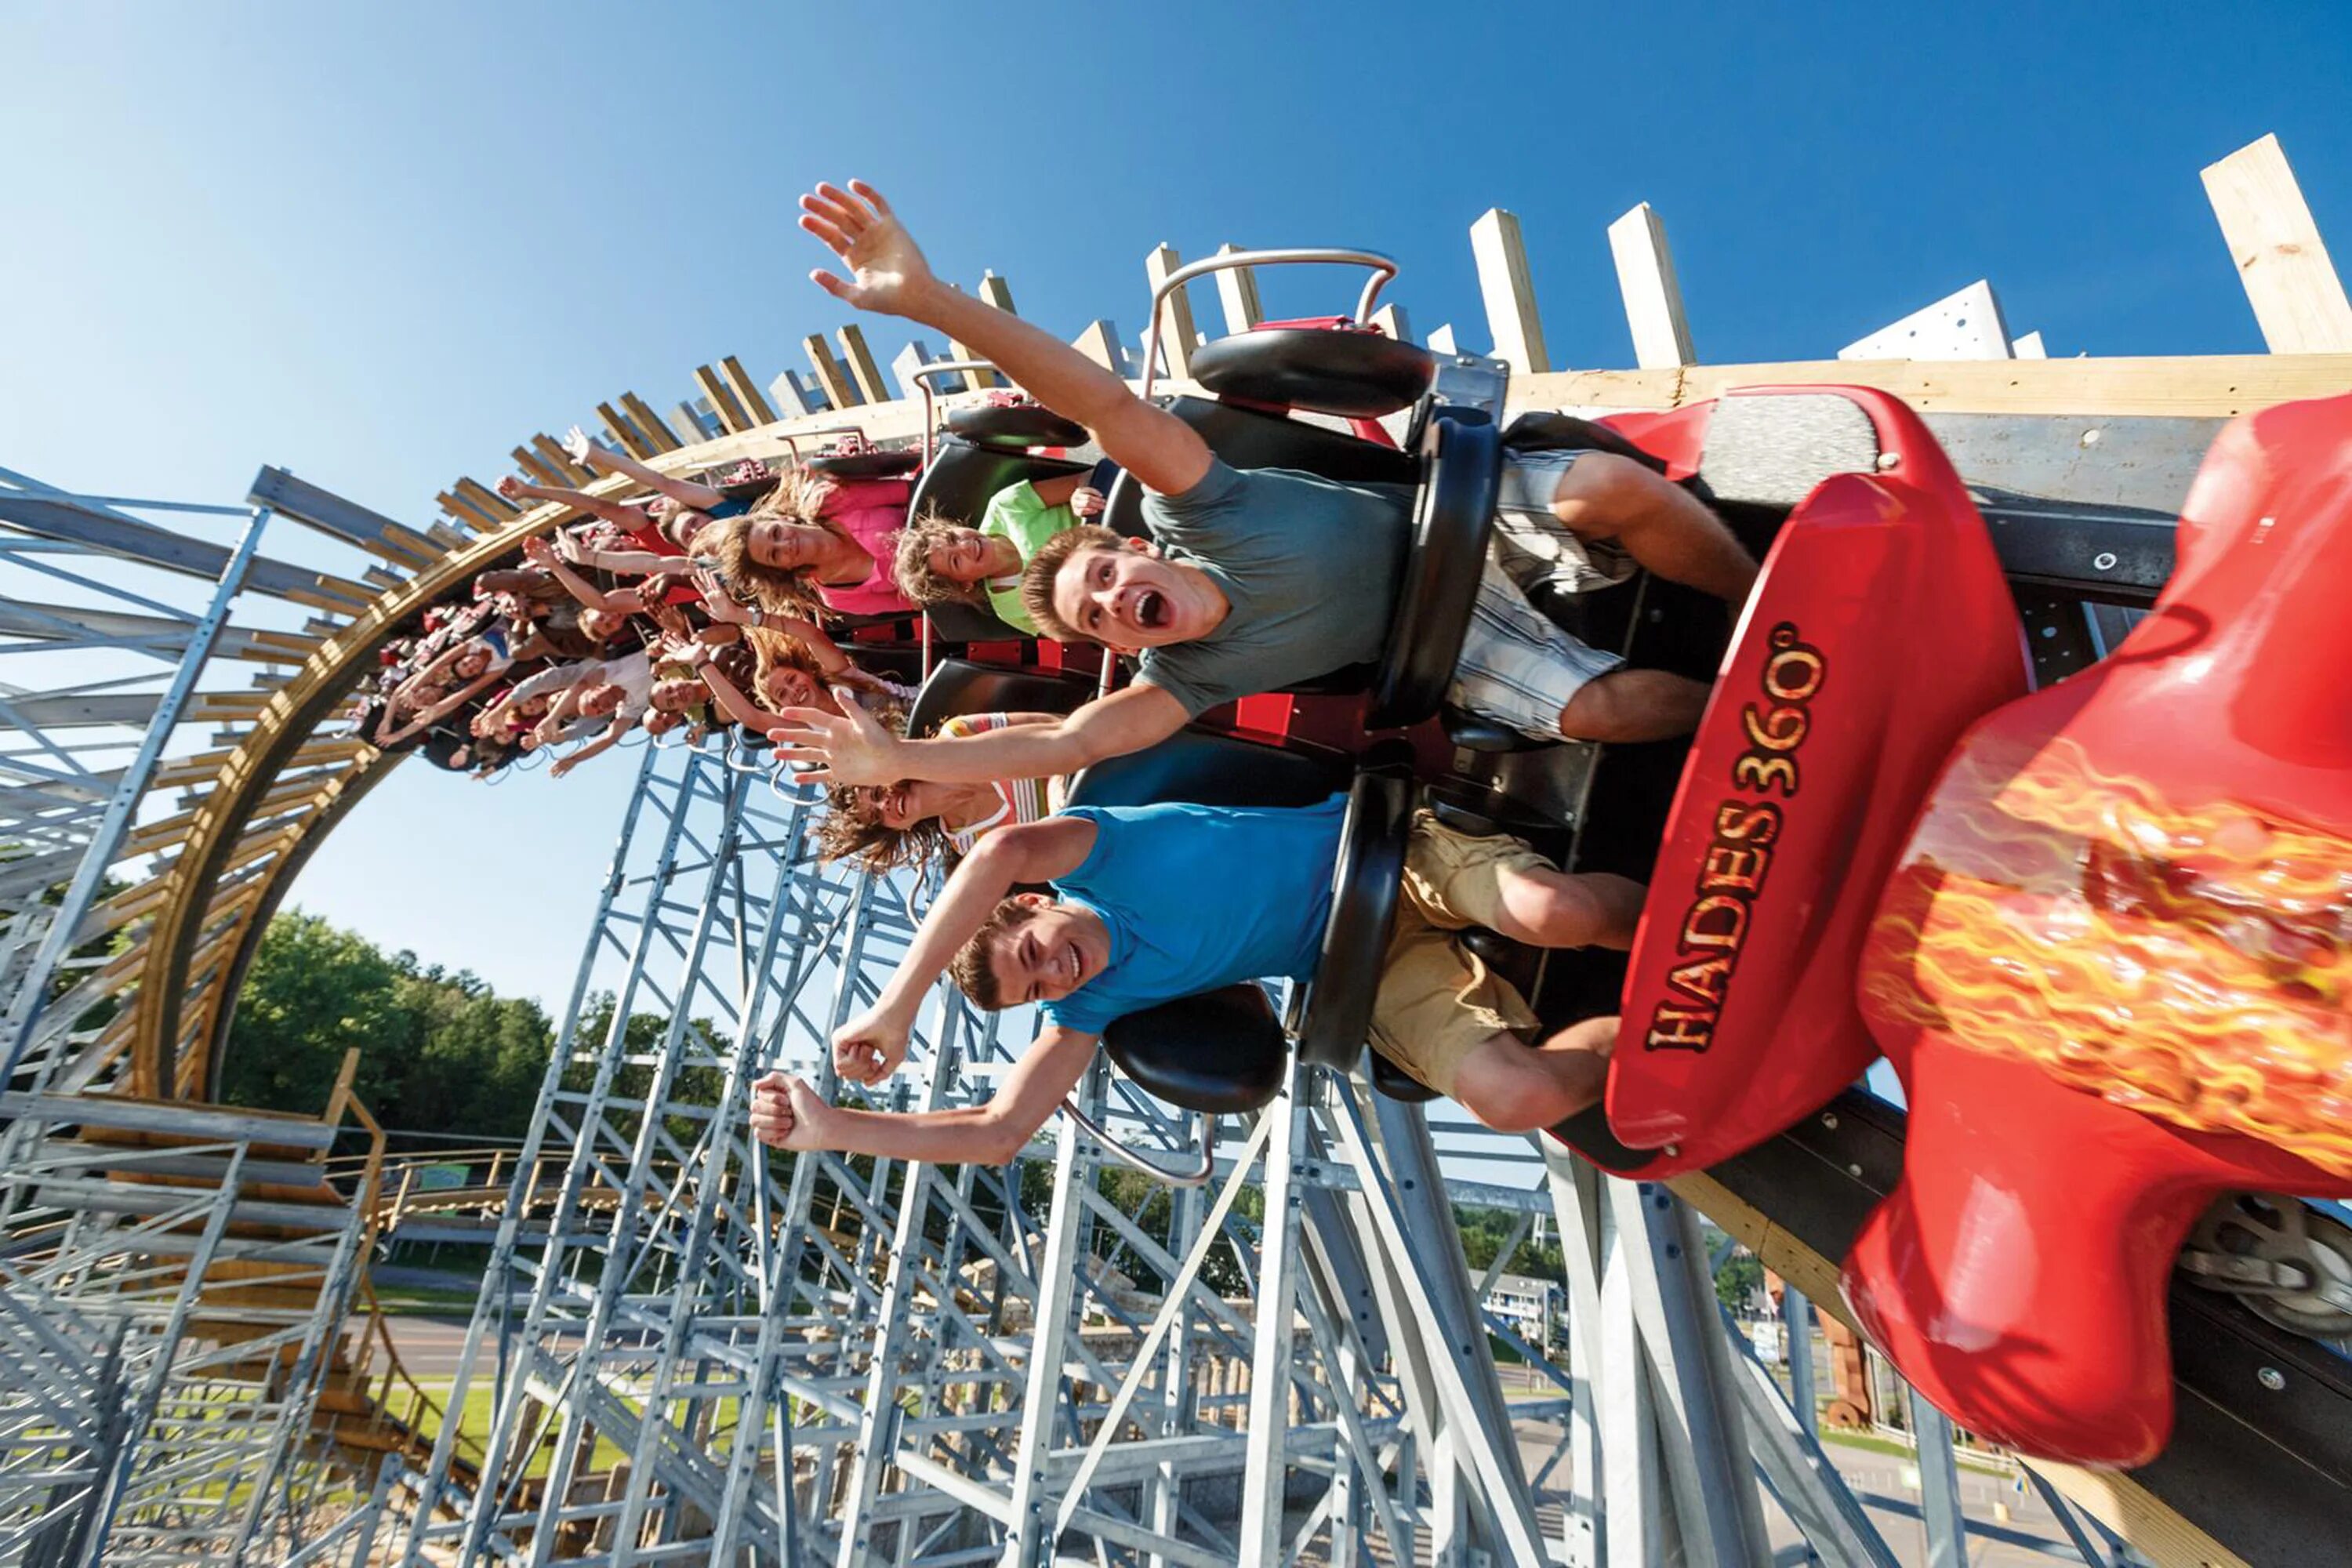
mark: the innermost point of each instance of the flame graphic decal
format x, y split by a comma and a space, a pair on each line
2191, 964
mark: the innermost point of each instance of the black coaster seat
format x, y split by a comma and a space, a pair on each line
1221, 1051
1251, 438
866, 465
1016, 426
963, 475
1353, 374
958, 686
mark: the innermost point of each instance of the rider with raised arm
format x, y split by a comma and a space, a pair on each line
1155, 903
1269, 576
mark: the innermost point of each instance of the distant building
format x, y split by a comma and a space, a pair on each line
1525, 1303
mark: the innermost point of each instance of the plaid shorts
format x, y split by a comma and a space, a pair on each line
1517, 667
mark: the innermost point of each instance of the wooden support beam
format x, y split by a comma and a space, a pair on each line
1653, 300
568, 474
1440, 339
1099, 342
1964, 324
659, 433
2214, 386
698, 422
1392, 319
907, 362
977, 380
466, 513
732, 416
795, 395
1509, 291
531, 466
831, 379
2298, 300
746, 391
1237, 294
862, 371
489, 502
635, 444
1177, 338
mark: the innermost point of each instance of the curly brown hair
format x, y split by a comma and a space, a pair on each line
1037, 577
852, 830
910, 566
971, 968
770, 648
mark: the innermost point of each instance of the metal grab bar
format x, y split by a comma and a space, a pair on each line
921, 376
1196, 1176
1382, 270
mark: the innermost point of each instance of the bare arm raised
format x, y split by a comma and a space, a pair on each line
855, 750
890, 276
589, 453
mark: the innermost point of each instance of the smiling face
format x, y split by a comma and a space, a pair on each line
788, 686
676, 696
1050, 954
1131, 598
960, 555
782, 545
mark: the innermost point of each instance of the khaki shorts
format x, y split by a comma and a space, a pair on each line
1438, 1000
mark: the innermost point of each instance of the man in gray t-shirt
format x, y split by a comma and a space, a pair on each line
1309, 569
1261, 579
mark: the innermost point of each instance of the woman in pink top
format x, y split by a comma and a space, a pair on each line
814, 541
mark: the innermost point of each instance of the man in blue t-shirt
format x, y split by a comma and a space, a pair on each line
1264, 578
1155, 903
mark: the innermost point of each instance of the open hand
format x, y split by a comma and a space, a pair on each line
577, 445
786, 1113
849, 748
869, 1048
888, 274
539, 552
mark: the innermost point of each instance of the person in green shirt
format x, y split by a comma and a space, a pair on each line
939, 562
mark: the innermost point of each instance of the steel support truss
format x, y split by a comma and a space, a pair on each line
696, 1350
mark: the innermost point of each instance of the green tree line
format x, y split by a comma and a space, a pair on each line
439, 1052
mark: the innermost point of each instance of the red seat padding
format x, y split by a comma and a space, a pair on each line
1880, 628
2114, 966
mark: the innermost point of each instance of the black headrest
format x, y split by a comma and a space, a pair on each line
1451, 518
1339, 1016
1356, 376
1201, 767
1021, 424
963, 475
956, 687
1249, 438
1221, 1051
866, 465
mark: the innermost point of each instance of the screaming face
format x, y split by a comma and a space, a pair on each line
1129, 599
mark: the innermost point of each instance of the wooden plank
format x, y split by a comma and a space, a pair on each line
994, 290
1177, 337
1653, 300
466, 513
973, 380
831, 379
1392, 319
539, 471
2298, 300
907, 362
448, 538
731, 417
2217, 387
794, 396
635, 445
489, 501
1440, 339
1509, 291
646, 420
696, 422
568, 474
1237, 294
1099, 342
860, 360
2120, 1503
747, 391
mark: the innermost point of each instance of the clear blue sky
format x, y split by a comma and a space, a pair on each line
380, 247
